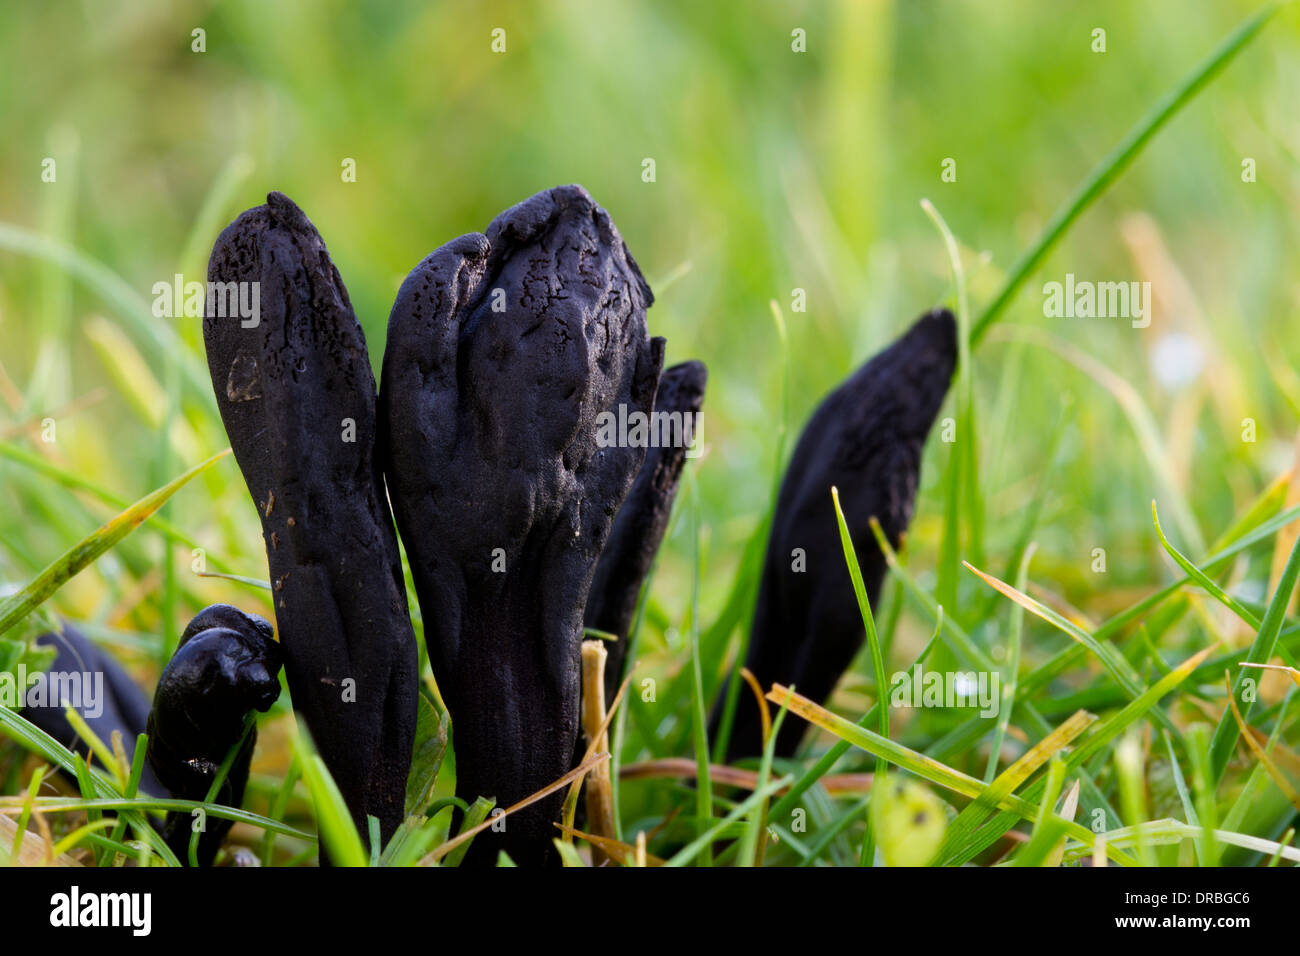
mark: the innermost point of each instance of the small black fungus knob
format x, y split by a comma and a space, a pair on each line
226, 665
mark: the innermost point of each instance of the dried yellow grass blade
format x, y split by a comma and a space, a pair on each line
577, 773
85, 552
1262, 755
615, 849
1069, 807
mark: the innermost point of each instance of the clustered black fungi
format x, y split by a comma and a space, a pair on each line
226, 666
640, 525
503, 350
297, 396
521, 522
865, 438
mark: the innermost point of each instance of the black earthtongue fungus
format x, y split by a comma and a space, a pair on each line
866, 439
297, 396
502, 352
641, 522
225, 666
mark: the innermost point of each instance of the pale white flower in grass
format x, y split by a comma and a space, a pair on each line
1278, 456
1251, 589
1177, 360
964, 685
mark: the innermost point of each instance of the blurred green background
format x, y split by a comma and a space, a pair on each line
775, 170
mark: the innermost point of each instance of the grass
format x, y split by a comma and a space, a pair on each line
1114, 705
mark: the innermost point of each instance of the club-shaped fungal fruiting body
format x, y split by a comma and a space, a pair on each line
503, 350
297, 396
226, 666
640, 525
865, 438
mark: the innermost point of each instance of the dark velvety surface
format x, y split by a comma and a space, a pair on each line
226, 666
297, 397
502, 351
640, 525
866, 439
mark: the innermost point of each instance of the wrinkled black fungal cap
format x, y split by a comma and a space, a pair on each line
124, 707
297, 396
866, 439
226, 665
502, 351
640, 525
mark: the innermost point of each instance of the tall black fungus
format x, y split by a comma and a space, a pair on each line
865, 438
226, 665
641, 522
297, 396
503, 351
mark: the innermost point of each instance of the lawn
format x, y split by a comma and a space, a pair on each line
798, 182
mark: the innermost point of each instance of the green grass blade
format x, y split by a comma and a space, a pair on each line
1045, 673
79, 483
755, 838
1234, 817
1175, 831
81, 555
475, 815
699, 710
20, 830
96, 745
688, 853
1010, 779
1012, 672
901, 756
99, 278
1047, 828
338, 834
873, 643
133, 781
837, 750
279, 806
163, 804
1198, 576
1110, 167
1130, 771
961, 477
739, 608
1227, 732
925, 767
1100, 739
827, 834
32, 738
737, 612
1145, 428
1114, 662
